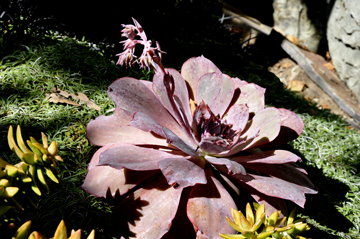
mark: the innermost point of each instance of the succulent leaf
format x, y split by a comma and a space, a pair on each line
75, 234
91, 235
273, 218
5, 208
9, 192
38, 159
264, 235
11, 171
245, 224
281, 222
51, 175
259, 222
160, 128
45, 159
36, 235
11, 141
236, 216
40, 147
183, 172
259, 212
232, 236
32, 172
44, 140
34, 149
291, 216
60, 232
23, 231
4, 182
41, 178
20, 141
164, 200
217, 90
52, 149
287, 229
205, 202
22, 172
29, 158
233, 225
133, 157
250, 214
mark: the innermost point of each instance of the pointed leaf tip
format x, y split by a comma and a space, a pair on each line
60, 232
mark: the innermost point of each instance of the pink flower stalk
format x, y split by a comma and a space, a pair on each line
149, 53
179, 148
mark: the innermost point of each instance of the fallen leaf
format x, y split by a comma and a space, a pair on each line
328, 56
330, 66
286, 64
64, 93
83, 98
296, 86
293, 39
279, 30
60, 96
307, 98
56, 98
324, 106
234, 30
350, 128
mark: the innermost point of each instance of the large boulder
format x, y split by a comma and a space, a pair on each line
343, 34
300, 20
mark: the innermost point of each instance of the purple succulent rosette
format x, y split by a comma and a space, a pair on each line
179, 147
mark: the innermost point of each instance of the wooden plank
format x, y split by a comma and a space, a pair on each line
328, 80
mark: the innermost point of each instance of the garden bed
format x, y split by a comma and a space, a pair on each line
33, 68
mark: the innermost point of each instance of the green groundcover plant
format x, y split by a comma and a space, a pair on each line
191, 138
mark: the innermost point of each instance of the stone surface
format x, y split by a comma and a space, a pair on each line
327, 80
288, 71
291, 16
343, 34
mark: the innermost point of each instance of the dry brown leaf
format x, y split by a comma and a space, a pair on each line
286, 64
56, 98
234, 30
324, 106
307, 98
293, 39
350, 128
296, 86
279, 30
330, 66
328, 56
60, 96
64, 93
83, 98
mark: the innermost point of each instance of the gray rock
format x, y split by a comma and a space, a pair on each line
343, 34
291, 16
